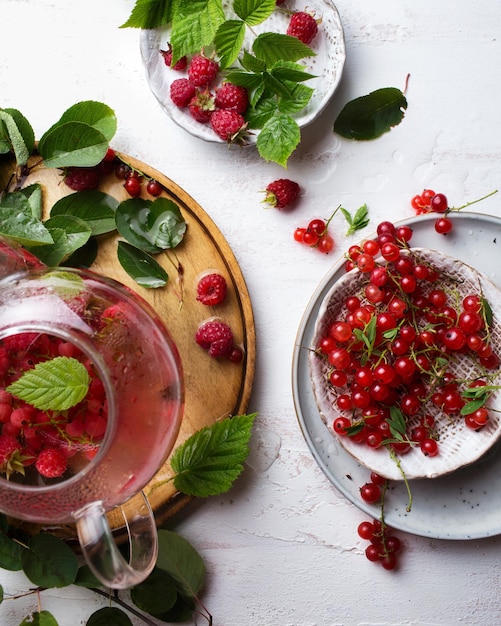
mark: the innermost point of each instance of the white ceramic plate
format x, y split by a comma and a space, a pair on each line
463, 505
327, 66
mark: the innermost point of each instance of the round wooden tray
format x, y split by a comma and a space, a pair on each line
214, 389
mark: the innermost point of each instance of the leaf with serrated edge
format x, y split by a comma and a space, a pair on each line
210, 460
150, 14
196, 28
254, 12
273, 47
56, 384
278, 139
228, 41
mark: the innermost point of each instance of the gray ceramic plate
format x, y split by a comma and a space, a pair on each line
463, 505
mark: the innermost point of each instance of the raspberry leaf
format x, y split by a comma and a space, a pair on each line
212, 459
278, 138
370, 116
195, 27
254, 12
273, 47
150, 14
228, 41
141, 266
57, 384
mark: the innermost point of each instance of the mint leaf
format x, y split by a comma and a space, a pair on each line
228, 41
56, 384
278, 139
150, 14
370, 116
141, 266
211, 460
254, 12
273, 47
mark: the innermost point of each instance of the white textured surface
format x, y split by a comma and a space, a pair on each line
281, 547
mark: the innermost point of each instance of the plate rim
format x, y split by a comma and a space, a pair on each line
299, 348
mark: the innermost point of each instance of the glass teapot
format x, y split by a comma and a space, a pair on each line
74, 464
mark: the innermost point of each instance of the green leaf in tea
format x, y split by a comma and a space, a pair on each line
94, 207
141, 266
42, 618
151, 226
56, 384
209, 461
109, 616
49, 562
178, 558
370, 116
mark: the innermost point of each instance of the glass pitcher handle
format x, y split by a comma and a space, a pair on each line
102, 553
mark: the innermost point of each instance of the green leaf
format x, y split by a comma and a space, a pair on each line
370, 116
85, 578
109, 616
95, 208
12, 136
10, 553
251, 63
228, 41
359, 221
299, 97
151, 226
487, 311
288, 71
95, 114
17, 221
42, 618
254, 12
156, 594
278, 139
85, 256
69, 234
1, 594
273, 47
57, 384
244, 79
49, 562
150, 14
471, 407
141, 266
265, 109
209, 461
72, 144
33, 194
182, 562
17, 134
397, 423
194, 26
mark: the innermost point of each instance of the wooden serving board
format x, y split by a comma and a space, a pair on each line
214, 389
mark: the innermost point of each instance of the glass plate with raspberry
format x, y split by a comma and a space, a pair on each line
326, 66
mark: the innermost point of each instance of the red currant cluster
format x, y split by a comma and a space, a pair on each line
430, 202
315, 235
392, 344
46, 440
383, 546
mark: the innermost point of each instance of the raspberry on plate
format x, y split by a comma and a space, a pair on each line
282, 193
215, 337
303, 26
202, 71
182, 91
211, 289
179, 66
229, 125
230, 96
82, 178
201, 106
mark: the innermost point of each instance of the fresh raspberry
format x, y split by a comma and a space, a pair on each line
179, 66
229, 125
211, 289
202, 71
51, 463
303, 26
230, 96
10, 455
282, 193
215, 337
202, 106
82, 178
182, 91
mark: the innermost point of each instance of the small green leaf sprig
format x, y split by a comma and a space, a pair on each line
81, 138
206, 464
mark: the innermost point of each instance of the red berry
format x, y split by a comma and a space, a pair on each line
443, 226
202, 71
438, 203
154, 188
370, 492
133, 185
82, 178
182, 91
51, 463
179, 65
215, 337
211, 289
303, 26
230, 96
229, 125
282, 193
202, 106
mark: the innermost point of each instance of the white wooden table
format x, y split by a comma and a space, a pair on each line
281, 548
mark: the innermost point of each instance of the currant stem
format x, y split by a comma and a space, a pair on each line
464, 206
406, 482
